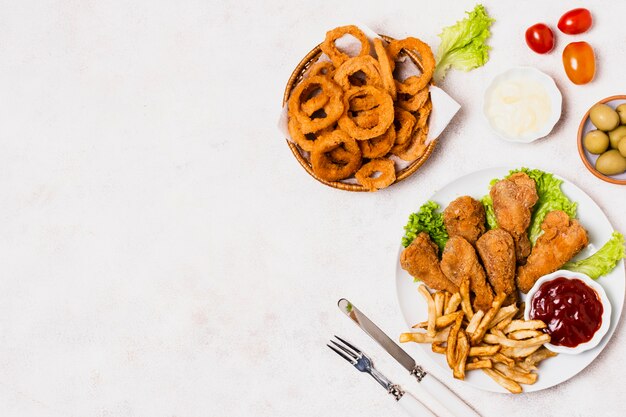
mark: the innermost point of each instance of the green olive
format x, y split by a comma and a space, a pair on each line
621, 147
596, 141
621, 110
616, 134
611, 163
604, 117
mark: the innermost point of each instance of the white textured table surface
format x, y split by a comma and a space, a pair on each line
163, 254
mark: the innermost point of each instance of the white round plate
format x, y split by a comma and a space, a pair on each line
554, 370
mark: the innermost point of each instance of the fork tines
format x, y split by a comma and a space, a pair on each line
351, 354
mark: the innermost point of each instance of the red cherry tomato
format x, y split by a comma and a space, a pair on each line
575, 21
579, 62
540, 38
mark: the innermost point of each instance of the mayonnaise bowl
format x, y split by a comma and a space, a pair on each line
522, 104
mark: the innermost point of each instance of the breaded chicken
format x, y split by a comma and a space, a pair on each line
421, 261
513, 198
497, 251
465, 217
561, 240
459, 260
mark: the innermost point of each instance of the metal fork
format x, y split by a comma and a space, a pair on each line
411, 405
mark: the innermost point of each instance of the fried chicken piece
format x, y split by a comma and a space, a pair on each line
421, 261
513, 198
497, 251
459, 260
561, 240
465, 217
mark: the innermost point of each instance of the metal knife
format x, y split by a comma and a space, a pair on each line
446, 398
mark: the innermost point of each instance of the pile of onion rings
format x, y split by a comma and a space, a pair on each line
351, 115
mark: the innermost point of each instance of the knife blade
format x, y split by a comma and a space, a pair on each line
441, 393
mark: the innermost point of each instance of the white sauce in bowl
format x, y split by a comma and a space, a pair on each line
522, 104
518, 106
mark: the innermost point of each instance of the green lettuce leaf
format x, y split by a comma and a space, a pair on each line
428, 220
603, 261
492, 222
550, 198
463, 45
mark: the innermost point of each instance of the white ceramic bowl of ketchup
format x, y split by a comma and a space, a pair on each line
606, 313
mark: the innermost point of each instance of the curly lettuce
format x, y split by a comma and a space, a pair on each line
428, 220
463, 45
603, 261
490, 214
550, 198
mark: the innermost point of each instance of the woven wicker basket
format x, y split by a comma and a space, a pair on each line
296, 77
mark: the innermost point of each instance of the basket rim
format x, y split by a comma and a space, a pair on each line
401, 175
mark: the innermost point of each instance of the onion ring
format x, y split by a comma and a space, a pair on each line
387, 170
415, 102
424, 112
314, 103
405, 123
340, 166
384, 110
379, 146
363, 103
416, 146
325, 68
335, 55
416, 82
366, 65
366, 119
305, 141
333, 109
386, 68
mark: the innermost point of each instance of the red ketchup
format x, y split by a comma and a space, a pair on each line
570, 308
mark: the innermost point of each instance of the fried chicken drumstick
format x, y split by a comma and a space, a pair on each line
459, 260
513, 199
421, 261
465, 217
561, 240
497, 251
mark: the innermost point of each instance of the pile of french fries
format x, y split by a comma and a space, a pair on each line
499, 341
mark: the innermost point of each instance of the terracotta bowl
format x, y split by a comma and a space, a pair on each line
588, 158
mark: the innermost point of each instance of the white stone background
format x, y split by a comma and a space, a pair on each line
163, 254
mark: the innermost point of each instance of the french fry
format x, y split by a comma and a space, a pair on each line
506, 342
500, 358
516, 325
446, 301
453, 303
478, 335
432, 317
480, 364
500, 326
507, 383
520, 311
466, 303
518, 368
517, 376
533, 359
439, 299
440, 336
438, 347
524, 334
452, 340
462, 350
504, 313
520, 352
440, 323
484, 350
474, 322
